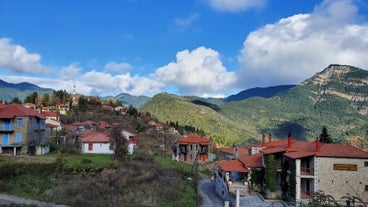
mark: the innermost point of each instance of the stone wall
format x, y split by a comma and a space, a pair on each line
343, 178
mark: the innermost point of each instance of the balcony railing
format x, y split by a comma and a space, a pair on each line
306, 171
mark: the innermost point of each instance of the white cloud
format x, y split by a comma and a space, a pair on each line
185, 24
17, 59
114, 67
105, 83
236, 5
70, 72
198, 72
296, 47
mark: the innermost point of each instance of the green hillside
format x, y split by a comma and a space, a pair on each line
335, 98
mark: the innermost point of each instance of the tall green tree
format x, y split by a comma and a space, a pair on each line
270, 173
325, 137
16, 100
31, 98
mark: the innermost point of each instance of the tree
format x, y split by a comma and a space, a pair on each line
16, 100
270, 173
121, 144
31, 98
325, 137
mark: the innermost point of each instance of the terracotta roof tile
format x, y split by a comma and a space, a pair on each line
243, 151
254, 160
193, 139
13, 110
232, 166
95, 137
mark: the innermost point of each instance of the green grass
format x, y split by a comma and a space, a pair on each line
172, 164
95, 161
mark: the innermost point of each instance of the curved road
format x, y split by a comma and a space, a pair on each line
208, 194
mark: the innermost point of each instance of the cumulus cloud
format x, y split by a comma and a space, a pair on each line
105, 83
17, 59
198, 72
296, 47
235, 5
114, 67
70, 72
185, 24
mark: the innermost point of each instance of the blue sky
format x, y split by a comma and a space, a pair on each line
187, 47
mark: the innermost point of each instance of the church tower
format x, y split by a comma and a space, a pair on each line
74, 96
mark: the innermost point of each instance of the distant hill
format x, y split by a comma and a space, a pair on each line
335, 98
265, 92
20, 90
136, 101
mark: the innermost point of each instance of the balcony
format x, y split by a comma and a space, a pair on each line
306, 171
7, 128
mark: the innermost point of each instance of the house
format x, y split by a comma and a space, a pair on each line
234, 152
103, 124
63, 108
302, 168
96, 142
130, 136
22, 131
191, 148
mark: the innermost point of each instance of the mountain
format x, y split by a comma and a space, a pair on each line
335, 98
136, 101
20, 90
266, 92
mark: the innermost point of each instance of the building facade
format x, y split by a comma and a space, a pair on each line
191, 148
22, 131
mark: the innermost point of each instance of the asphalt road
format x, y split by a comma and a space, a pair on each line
208, 194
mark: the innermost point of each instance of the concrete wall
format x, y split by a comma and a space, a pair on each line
98, 148
339, 182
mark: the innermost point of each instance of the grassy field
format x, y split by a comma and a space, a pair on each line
87, 179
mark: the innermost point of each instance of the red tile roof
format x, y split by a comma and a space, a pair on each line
254, 160
13, 110
95, 137
193, 139
329, 150
232, 166
242, 151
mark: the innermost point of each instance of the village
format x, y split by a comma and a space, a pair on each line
272, 170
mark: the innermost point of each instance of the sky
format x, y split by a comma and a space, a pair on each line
206, 48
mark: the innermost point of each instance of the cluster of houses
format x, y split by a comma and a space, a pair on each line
302, 167
25, 130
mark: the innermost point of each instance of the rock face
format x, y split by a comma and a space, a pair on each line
344, 81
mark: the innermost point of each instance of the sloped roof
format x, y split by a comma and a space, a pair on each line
242, 151
13, 110
254, 160
329, 150
296, 145
95, 137
193, 139
232, 166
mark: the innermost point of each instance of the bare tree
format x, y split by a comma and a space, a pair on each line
120, 144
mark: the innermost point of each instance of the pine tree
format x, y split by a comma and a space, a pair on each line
325, 137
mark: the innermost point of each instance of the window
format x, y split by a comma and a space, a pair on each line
365, 164
5, 140
366, 188
111, 146
20, 122
90, 147
18, 138
7, 125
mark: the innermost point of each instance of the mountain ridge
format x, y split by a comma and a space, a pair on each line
332, 98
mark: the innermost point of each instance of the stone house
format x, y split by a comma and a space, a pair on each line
304, 167
22, 131
191, 148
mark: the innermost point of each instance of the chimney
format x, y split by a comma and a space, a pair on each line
290, 140
269, 137
263, 139
318, 145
